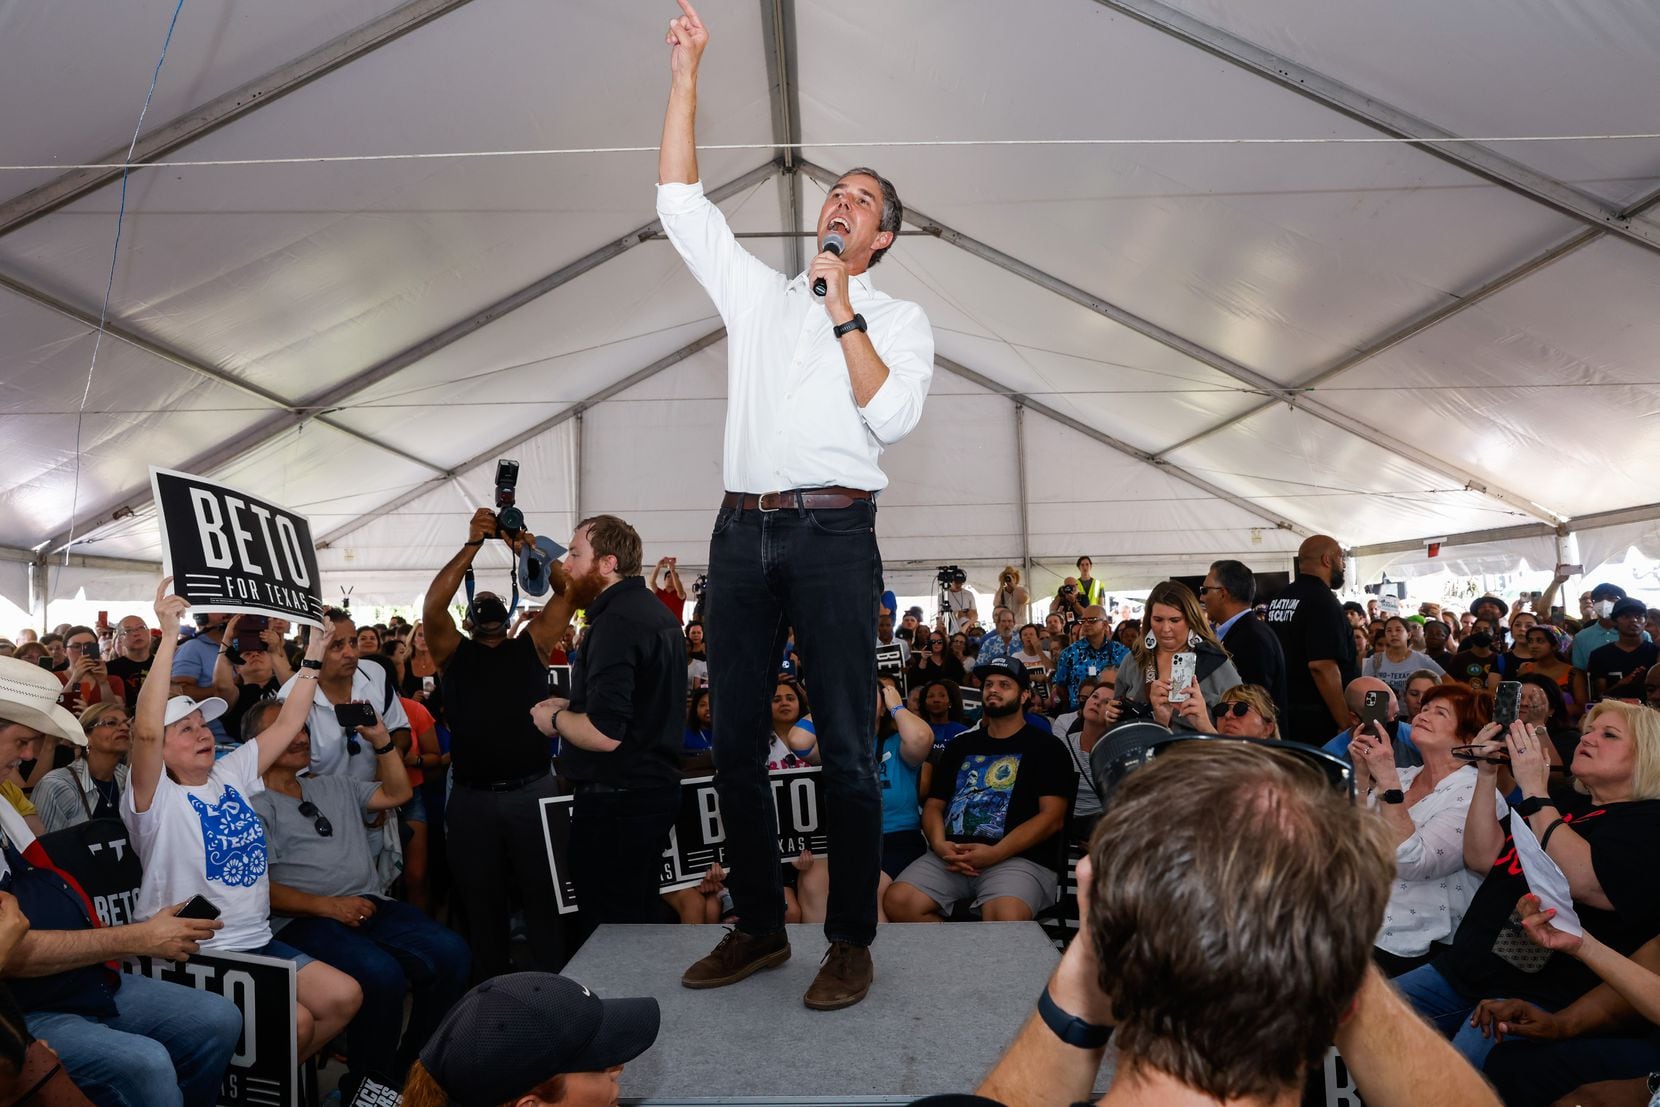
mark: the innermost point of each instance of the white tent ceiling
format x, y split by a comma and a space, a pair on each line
1156, 353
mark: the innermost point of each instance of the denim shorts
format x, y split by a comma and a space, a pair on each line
415, 811
274, 948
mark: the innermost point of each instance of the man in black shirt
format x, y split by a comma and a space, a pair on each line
1228, 592
131, 661
499, 759
1617, 670
1318, 644
620, 731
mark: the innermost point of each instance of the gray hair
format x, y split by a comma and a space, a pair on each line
893, 212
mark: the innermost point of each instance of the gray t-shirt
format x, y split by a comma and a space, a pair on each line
1396, 673
338, 864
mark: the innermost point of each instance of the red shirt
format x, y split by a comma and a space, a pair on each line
672, 600
420, 721
88, 692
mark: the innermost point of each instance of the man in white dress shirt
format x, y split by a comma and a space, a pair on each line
817, 386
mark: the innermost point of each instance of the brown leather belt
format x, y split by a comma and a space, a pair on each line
805, 499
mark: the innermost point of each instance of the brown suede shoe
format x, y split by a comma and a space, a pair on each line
843, 979
737, 956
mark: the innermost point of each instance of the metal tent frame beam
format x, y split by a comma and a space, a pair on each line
311, 407
1331, 93
1227, 366
1642, 513
1022, 400
1435, 316
778, 28
209, 117
185, 361
483, 457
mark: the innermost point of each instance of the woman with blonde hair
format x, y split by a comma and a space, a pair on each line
1175, 624
1009, 592
1244, 711
90, 787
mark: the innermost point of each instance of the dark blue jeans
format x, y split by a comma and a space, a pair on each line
396, 950
820, 573
616, 854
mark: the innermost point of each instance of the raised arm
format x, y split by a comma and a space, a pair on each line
441, 632
275, 739
1399, 1060
916, 737
150, 717
687, 38
224, 673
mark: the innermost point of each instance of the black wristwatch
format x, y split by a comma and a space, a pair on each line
1532, 804
381, 751
857, 323
1392, 795
1068, 1027
310, 663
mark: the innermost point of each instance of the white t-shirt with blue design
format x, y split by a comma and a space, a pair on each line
207, 840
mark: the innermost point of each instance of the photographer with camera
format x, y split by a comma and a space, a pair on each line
956, 601
666, 586
1010, 594
499, 760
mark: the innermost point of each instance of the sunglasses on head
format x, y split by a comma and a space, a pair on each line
319, 820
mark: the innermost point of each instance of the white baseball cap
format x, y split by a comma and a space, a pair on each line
180, 706
29, 696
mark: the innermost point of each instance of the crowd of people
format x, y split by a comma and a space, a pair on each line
308, 786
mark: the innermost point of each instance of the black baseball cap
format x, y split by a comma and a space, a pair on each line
1005, 666
1629, 605
1608, 592
513, 1032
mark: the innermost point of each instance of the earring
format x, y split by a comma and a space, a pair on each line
1151, 641
1193, 639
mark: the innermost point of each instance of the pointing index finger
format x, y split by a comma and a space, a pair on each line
691, 13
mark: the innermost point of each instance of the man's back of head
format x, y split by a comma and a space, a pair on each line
1236, 897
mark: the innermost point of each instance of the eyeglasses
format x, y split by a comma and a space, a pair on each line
1203, 588
1237, 709
319, 820
110, 722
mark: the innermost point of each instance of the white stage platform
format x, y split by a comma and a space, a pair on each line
946, 1000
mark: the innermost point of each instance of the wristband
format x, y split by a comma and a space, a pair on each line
807, 725
311, 663
1068, 1027
895, 710
1531, 805
387, 748
1544, 841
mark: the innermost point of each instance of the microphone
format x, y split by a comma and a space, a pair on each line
833, 244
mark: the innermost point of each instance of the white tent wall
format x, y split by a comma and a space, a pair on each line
1364, 339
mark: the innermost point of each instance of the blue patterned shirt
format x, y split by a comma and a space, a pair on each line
1080, 661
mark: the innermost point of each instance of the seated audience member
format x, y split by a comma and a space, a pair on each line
997, 800
1088, 658
791, 746
259, 678
131, 655
550, 1041
423, 755
1241, 1013
1542, 707
123, 1039
179, 798
1416, 685
53, 645
1176, 624
886, 637
1244, 711
345, 679
961, 655
1400, 731
1605, 849
32, 652
326, 898
942, 710
1003, 641
199, 666
91, 786
1477, 661
936, 662
1397, 661
1081, 731
1424, 809
87, 679
700, 723
1590, 1051
903, 742
1616, 669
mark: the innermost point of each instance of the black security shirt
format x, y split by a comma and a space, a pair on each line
1309, 622
630, 680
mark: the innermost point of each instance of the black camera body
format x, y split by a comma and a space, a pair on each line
1069, 589
509, 519
950, 574
700, 584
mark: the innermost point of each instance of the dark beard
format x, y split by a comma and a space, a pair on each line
1010, 708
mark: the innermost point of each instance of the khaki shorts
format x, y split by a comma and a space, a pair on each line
1034, 885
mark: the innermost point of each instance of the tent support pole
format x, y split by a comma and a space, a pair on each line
778, 29
576, 475
1024, 496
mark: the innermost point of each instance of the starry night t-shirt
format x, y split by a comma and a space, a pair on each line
207, 840
991, 785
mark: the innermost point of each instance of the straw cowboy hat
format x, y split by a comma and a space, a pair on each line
29, 695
